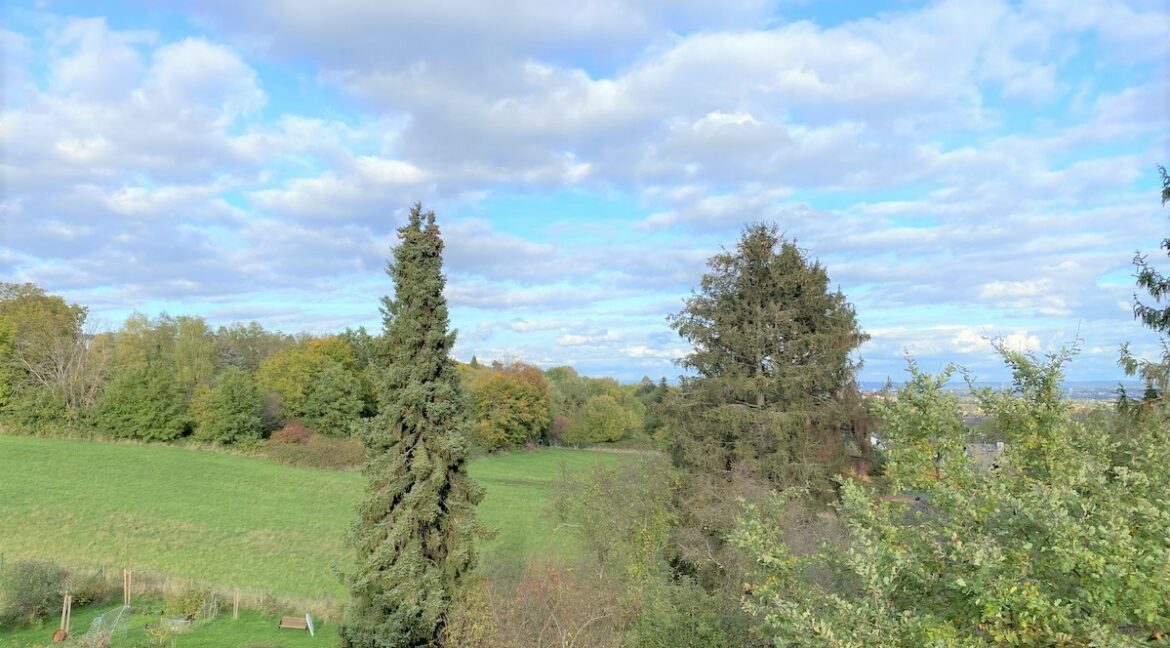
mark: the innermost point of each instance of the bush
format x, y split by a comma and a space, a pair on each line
548, 605
682, 615
292, 432
317, 451
191, 604
31, 591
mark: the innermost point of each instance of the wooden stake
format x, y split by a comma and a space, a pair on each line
68, 612
64, 606
236, 606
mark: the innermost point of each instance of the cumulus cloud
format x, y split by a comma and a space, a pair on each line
950, 162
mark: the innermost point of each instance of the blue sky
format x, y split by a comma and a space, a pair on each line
965, 169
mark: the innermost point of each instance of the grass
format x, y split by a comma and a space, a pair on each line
251, 629
230, 521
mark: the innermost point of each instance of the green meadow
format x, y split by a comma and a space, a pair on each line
226, 521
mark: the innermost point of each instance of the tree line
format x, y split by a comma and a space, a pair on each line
166, 378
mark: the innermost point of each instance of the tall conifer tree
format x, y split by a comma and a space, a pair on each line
767, 402
416, 526
772, 346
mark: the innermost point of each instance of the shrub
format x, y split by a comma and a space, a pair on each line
192, 603
549, 606
317, 451
292, 432
30, 591
682, 615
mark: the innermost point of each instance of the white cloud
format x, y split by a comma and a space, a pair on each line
948, 162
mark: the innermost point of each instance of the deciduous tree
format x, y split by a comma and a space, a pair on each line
511, 405
1066, 546
230, 411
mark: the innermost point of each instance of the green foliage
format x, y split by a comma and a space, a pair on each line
570, 395
602, 419
1155, 316
194, 352
247, 346
926, 422
8, 372
511, 406
37, 316
30, 590
142, 402
1065, 546
682, 614
48, 375
772, 361
289, 373
334, 401
652, 395
622, 514
1154, 373
317, 382
768, 403
230, 411
415, 528
142, 341
190, 603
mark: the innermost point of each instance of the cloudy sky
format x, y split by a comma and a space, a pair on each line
965, 169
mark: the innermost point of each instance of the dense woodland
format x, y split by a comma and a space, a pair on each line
784, 509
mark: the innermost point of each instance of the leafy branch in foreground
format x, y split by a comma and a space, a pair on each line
1065, 545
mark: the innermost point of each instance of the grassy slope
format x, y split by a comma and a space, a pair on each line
228, 521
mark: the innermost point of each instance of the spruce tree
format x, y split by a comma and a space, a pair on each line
1156, 315
771, 365
766, 404
416, 525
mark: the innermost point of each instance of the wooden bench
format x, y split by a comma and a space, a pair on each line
296, 623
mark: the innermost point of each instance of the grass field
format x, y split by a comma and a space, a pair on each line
230, 521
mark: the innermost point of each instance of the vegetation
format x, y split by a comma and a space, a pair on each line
254, 628
1152, 281
231, 411
771, 404
771, 357
226, 520
415, 528
1064, 545
1156, 316
511, 405
762, 521
30, 590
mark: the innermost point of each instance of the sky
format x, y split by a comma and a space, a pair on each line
966, 170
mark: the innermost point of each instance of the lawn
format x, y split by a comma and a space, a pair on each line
251, 629
231, 521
